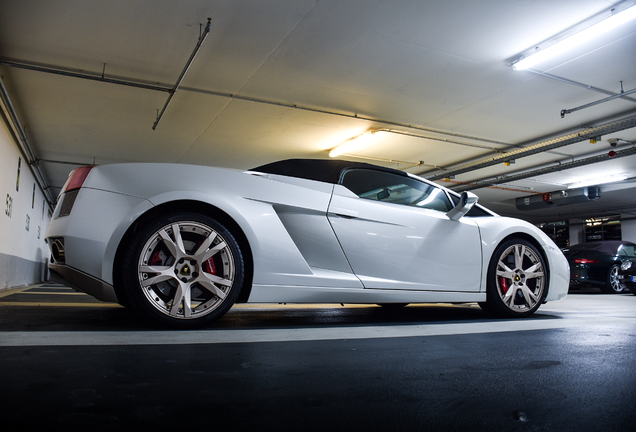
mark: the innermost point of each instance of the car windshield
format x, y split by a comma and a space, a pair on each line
627, 250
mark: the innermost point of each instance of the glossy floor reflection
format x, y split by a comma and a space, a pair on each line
69, 362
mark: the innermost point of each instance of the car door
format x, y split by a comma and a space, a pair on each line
395, 234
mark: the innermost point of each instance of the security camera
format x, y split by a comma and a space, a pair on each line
613, 141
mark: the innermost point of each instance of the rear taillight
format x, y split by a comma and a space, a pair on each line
68, 195
76, 178
585, 261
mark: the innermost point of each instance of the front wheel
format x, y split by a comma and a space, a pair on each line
517, 280
183, 269
613, 284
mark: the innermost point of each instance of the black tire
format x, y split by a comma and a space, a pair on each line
185, 280
612, 283
517, 282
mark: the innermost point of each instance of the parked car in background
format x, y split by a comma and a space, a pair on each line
598, 263
627, 275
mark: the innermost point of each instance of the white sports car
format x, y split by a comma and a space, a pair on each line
181, 244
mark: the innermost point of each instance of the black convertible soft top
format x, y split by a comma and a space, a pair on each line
608, 246
324, 170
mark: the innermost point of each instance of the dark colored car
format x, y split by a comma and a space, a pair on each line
598, 263
627, 275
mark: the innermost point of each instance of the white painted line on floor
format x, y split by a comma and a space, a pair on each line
54, 305
211, 336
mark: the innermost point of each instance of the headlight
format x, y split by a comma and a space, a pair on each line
626, 265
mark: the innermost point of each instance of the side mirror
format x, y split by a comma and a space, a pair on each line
466, 202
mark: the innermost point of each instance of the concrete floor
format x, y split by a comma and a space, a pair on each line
68, 361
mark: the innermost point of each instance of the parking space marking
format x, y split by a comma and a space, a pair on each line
45, 295
212, 336
53, 293
48, 304
12, 291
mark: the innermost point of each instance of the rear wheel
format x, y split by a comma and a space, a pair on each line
183, 269
517, 280
613, 284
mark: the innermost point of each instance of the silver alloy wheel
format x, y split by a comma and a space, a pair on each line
520, 278
614, 281
186, 270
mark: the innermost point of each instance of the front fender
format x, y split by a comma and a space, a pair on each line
498, 229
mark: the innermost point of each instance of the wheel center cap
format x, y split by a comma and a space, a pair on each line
186, 270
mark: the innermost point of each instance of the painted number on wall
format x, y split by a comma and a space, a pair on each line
9, 207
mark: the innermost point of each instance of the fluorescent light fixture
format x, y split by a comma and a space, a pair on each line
357, 142
598, 180
613, 21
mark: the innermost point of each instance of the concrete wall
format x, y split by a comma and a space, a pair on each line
23, 219
628, 227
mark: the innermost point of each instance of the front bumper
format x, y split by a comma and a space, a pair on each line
628, 280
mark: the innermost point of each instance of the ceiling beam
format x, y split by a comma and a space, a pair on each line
587, 134
547, 170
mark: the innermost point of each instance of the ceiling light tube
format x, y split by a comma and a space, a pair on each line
613, 21
357, 142
598, 181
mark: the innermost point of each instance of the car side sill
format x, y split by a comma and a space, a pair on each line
305, 294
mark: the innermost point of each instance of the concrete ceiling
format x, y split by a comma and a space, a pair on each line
285, 79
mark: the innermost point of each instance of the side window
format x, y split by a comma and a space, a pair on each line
395, 189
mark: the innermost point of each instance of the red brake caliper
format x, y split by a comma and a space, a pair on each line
503, 282
209, 267
156, 258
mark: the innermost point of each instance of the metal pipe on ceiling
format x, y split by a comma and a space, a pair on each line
206, 31
607, 99
57, 70
547, 170
446, 140
23, 143
541, 147
147, 85
516, 154
578, 84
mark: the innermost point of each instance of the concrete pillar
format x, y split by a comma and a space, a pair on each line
577, 231
628, 227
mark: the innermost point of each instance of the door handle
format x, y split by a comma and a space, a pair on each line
343, 212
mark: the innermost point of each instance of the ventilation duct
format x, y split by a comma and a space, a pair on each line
559, 198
